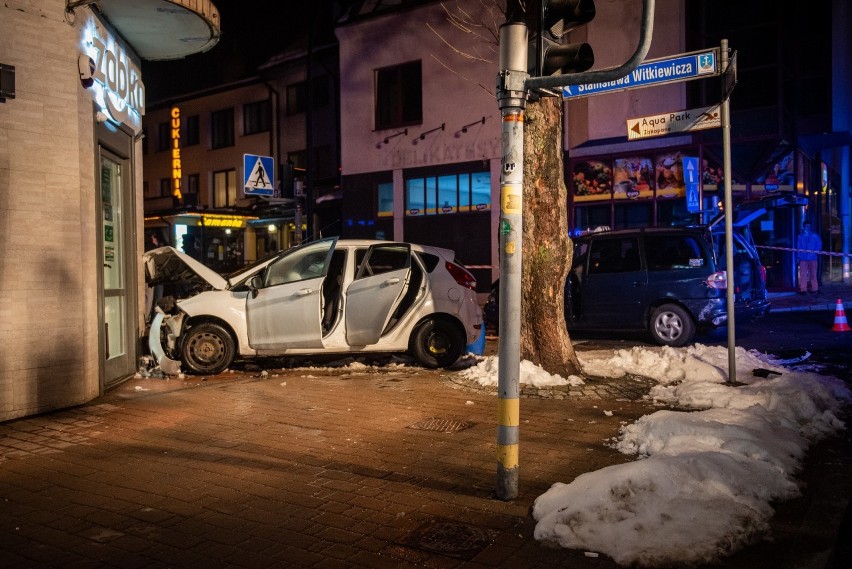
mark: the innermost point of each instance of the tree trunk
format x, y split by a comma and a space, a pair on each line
548, 250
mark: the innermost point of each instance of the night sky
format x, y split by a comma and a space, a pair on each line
252, 31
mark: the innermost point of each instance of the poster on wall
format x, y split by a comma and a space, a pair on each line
592, 181
669, 172
632, 178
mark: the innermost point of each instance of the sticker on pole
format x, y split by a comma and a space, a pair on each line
259, 175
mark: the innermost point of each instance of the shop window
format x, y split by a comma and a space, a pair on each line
415, 196
222, 128
633, 214
448, 194
224, 188
256, 117
191, 131
385, 195
480, 191
673, 212
398, 96
590, 217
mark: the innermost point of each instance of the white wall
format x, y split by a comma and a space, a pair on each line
457, 89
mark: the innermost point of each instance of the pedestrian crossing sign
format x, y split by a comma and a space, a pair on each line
259, 174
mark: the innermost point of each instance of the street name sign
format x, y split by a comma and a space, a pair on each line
259, 174
683, 67
678, 121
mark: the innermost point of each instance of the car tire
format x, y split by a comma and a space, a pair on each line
671, 325
436, 343
207, 349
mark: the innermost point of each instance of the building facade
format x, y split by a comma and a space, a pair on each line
71, 107
207, 205
433, 54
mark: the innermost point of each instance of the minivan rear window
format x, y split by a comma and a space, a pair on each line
674, 252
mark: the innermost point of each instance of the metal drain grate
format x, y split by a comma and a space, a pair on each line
441, 425
453, 539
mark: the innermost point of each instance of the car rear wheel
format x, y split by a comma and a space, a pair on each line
671, 325
208, 349
436, 343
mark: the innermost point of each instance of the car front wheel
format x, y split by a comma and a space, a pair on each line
671, 325
436, 343
208, 349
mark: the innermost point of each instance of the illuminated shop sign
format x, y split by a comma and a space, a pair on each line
176, 169
213, 220
114, 77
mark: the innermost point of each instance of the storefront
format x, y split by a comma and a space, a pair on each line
647, 189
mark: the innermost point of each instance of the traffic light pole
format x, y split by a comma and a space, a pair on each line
512, 100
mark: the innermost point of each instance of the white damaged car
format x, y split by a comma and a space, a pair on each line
332, 296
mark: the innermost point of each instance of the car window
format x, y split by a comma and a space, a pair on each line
306, 262
616, 255
381, 259
674, 252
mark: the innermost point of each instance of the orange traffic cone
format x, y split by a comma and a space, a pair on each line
840, 324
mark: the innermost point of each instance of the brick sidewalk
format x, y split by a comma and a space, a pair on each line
389, 468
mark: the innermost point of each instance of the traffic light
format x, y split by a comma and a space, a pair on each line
555, 19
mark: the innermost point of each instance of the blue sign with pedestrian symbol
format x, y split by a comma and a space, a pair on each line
259, 174
691, 175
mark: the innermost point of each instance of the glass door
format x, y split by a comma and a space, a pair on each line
118, 347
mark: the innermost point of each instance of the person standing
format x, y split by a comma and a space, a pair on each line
807, 246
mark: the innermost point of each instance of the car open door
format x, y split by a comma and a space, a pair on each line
286, 311
381, 280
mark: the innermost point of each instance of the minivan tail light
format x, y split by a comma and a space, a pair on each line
461, 276
718, 280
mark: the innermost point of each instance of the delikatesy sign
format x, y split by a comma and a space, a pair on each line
683, 67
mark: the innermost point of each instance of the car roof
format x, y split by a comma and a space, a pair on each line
692, 229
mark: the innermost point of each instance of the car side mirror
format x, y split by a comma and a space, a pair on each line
255, 283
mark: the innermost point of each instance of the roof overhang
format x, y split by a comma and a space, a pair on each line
160, 30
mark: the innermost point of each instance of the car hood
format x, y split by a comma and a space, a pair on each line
167, 264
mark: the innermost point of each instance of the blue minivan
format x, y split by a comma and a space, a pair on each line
668, 281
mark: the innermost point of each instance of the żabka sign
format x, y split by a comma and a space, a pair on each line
115, 78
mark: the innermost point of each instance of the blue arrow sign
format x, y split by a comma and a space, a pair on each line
682, 67
690, 178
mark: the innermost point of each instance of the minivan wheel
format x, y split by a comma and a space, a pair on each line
436, 343
208, 349
671, 325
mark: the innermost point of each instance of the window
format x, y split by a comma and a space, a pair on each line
385, 192
224, 188
190, 131
614, 256
256, 117
448, 194
190, 194
307, 262
164, 137
165, 187
297, 95
673, 252
222, 128
382, 259
399, 95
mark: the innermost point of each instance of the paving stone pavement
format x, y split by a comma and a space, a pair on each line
326, 468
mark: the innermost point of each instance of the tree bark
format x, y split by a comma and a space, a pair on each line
547, 249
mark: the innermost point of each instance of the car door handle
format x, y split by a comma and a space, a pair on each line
392, 281
304, 292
